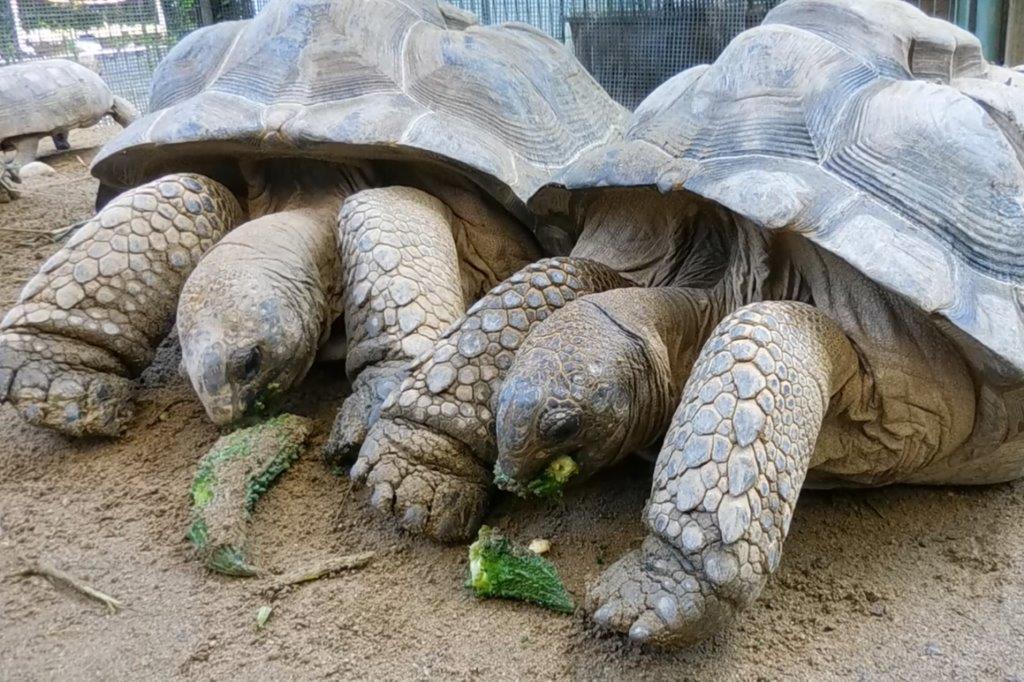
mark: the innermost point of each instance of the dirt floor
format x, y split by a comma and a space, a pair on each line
904, 583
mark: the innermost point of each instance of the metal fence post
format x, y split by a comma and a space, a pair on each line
989, 27
19, 31
205, 12
1015, 33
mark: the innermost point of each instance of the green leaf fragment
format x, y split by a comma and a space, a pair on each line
263, 615
202, 488
198, 534
265, 401
554, 478
499, 568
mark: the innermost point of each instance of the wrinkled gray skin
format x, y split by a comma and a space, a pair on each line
831, 295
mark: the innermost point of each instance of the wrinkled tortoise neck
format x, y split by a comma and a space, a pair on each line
762, 267
298, 184
683, 240
655, 239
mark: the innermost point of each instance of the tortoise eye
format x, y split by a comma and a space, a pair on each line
246, 364
252, 363
560, 424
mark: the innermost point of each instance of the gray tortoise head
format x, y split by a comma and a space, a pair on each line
879, 134
336, 80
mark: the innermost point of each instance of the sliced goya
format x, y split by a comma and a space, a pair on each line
499, 568
230, 479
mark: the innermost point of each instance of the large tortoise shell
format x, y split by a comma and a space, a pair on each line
47, 96
875, 131
398, 79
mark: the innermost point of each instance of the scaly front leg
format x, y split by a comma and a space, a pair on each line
729, 474
402, 290
429, 456
413, 261
91, 319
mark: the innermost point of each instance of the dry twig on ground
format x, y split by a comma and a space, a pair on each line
327, 569
40, 569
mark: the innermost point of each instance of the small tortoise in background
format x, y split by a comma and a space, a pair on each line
47, 99
827, 227
382, 152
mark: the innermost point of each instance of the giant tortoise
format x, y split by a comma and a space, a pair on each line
428, 131
49, 98
827, 227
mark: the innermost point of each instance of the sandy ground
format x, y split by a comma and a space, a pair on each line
904, 583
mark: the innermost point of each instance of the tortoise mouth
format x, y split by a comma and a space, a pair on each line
503, 481
545, 476
242, 405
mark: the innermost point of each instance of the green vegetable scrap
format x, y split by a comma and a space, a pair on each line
231, 478
263, 615
264, 403
498, 568
554, 478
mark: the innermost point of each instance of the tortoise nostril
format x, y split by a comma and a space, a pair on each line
560, 424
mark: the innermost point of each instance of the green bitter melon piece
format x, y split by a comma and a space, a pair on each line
499, 568
554, 478
230, 479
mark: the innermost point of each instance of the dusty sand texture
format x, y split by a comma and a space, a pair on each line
904, 583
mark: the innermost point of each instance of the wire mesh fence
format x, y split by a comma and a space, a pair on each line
122, 40
943, 9
547, 15
631, 46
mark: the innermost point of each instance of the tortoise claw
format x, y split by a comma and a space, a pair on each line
656, 595
359, 412
426, 480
